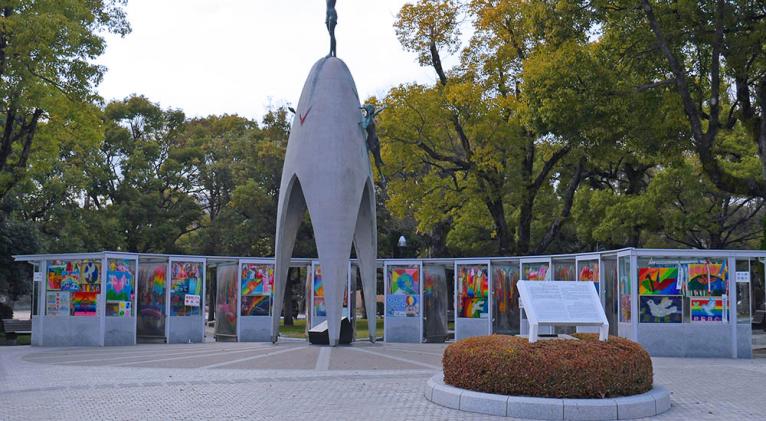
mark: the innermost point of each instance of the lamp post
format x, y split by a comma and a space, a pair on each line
398, 248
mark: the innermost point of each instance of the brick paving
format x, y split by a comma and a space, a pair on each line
293, 379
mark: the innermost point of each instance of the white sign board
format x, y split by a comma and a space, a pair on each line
743, 276
191, 300
37, 277
562, 303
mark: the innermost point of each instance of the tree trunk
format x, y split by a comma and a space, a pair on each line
635, 175
527, 199
566, 210
438, 239
211, 289
497, 210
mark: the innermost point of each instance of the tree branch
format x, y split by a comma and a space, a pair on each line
569, 194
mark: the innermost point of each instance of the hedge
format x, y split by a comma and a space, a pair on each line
584, 368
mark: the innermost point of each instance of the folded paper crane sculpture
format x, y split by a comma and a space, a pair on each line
327, 171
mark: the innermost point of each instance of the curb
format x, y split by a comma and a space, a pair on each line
649, 404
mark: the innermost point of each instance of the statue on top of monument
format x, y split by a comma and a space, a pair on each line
331, 20
369, 112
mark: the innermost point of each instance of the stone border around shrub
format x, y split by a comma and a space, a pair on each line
649, 404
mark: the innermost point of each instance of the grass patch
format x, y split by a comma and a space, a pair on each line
298, 329
20, 340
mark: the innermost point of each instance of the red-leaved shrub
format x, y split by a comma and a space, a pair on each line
584, 368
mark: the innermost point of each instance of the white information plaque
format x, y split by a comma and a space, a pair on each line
191, 300
562, 303
743, 276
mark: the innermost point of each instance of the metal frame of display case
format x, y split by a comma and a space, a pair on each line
487, 262
386, 290
510, 263
134, 302
267, 319
202, 301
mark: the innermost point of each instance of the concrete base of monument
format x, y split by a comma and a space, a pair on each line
319, 334
649, 404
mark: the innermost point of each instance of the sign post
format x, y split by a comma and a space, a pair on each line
562, 303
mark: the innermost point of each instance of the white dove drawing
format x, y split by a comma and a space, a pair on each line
662, 309
709, 306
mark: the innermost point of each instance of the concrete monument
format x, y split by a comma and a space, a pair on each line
327, 171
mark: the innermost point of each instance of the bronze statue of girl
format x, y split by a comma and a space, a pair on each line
331, 20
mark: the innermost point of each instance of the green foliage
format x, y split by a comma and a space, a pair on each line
710, 56
693, 213
584, 368
15, 238
47, 52
562, 128
429, 24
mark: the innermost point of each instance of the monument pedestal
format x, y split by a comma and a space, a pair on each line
319, 334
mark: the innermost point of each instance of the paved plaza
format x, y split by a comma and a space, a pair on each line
295, 380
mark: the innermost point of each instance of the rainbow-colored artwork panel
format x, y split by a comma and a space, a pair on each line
70, 276
318, 284
625, 307
84, 303
706, 279
226, 300
257, 279
706, 309
473, 291
589, 272
504, 294
405, 281
403, 299
257, 305
320, 309
151, 299
119, 280
152, 281
186, 279
534, 271
55, 275
564, 271
658, 281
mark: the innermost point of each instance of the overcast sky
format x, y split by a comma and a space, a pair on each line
241, 56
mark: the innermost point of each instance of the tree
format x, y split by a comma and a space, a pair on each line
15, 238
469, 138
47, 53
222, 141
694, 213
146, 175
711, 55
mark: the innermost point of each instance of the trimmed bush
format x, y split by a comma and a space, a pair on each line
584, 368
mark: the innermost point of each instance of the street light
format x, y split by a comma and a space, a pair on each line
402, 242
